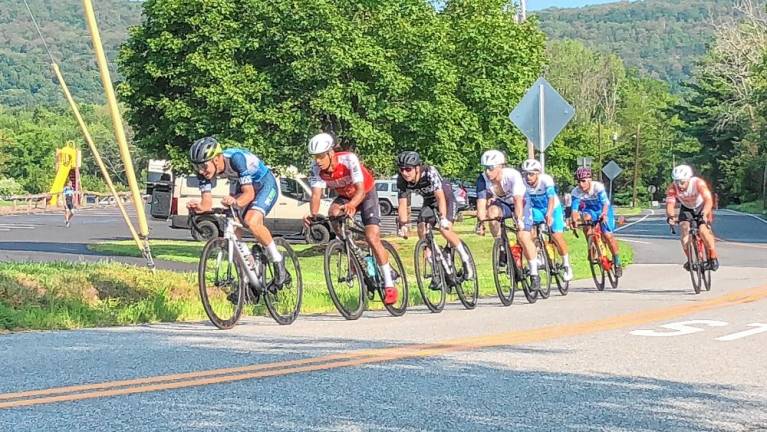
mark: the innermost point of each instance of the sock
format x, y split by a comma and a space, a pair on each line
462, 252
533, 266
386, 270
617, 259
274, 254
566, 260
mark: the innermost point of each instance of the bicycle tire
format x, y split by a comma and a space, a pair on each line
436, 275
400, 307
524, 279
543, 261
352, 272
694, 264
284, 305
595, 263
706, 269
468, 297
213, 305
506, 298
611, 275
558, 267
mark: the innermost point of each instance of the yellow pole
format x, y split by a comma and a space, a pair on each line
96, 155
106, 80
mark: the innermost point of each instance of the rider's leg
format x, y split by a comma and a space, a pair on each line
494, 211
710, 242
370, 213
266, 197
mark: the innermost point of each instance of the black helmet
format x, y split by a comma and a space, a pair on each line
204, 149
408, 158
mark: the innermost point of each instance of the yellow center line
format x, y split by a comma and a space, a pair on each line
369, 356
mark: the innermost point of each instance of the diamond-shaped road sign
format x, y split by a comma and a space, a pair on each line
612, 170
556, 114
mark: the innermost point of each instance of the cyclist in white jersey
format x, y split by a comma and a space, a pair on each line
501, 194
545, 205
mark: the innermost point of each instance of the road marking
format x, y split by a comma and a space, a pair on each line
634, 241
739, 213
679, 328
652, 213
760, 328
371, 356
15, 226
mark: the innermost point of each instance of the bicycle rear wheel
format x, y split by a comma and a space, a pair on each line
468, 290
221, 284
523, 273
703, 254
503, 272
400, 281
346, 284
544, 268
595, 263
558, 269
284, 304
428, 275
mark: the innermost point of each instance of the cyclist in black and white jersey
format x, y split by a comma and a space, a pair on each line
438, 200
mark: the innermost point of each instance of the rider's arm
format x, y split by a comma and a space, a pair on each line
708, 200
670, 202
439, 194
482, 196
246, 196
402, 211
602, 195
358, 177
206, 203
317, 185
314, 204
403, 199
551, 193
519, 202
575, 207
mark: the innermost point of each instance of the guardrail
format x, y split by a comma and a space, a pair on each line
33, 203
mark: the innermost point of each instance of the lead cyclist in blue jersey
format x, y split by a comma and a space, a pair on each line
252, 188
546, 208
590, 198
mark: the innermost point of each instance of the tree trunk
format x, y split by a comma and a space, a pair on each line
636, 169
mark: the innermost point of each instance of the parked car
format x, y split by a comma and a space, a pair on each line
461, 196
389, 201
169, 201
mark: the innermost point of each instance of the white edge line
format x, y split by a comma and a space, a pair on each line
634, 241
759, 218
652, 213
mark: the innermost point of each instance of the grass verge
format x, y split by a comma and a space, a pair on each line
68, 295
753, 207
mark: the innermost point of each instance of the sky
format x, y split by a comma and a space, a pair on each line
543, 4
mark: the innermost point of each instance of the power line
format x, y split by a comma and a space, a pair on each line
37, 27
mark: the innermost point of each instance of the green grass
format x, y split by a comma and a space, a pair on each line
628, 211
753, 207
6, 203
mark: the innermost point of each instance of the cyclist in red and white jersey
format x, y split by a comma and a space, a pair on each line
696, 203
343, 172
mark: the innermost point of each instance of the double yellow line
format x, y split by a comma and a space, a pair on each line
362, 357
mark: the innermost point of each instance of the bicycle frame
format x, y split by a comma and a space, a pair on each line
356, 253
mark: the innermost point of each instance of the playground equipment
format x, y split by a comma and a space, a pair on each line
68, 160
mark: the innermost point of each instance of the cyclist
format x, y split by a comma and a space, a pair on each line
501, 193
343, 172
253, 188
546, 207
696, 203
437, 195
590, 198
69, 203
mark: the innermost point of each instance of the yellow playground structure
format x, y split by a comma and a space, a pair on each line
68, 161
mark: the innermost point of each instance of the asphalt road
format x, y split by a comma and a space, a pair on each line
648, 356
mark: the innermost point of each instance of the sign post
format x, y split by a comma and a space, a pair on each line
612, 170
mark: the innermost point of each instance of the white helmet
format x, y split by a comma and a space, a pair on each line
682, 173
492, 158
531, 165
320, 143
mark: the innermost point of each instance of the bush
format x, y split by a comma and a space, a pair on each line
9, 186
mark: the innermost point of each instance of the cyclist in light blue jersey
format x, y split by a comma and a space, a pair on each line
69, 203
590, 199
546, 207
253, 189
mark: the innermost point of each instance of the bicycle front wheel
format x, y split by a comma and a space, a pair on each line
467, 289
284, 303
221, 284
345, 281
694, 264
544, 269
400, 281
503, 272
595, 262
706, 274
428, 276
558, 270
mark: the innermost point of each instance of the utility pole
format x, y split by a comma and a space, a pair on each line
764, 187
636, 168
521, 17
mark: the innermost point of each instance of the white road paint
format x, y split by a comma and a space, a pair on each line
760, 328
738, 213
652, 213
680, 328
635, 241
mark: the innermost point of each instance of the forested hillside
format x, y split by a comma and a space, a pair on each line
663, 38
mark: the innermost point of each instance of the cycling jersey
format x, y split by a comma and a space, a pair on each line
539, 195
511, 186
429, 183
693, 196
241, 167
348, 172
68, 192
592, 202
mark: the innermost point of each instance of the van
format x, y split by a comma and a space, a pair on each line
285, 219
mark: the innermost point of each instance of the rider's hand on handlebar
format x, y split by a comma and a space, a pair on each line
228, 201
308, 219
444, 223
350, 211
193, 205
549, 220
671, 220
480, 229
403, 231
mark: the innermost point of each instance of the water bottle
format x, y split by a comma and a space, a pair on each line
371, 264
516, 252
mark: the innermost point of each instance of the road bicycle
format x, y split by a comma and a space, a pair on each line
439, 270
352, 274
600, 260
510, 267
548, 251
230, 275
697, 257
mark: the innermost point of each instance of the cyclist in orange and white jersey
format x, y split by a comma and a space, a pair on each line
696, 204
